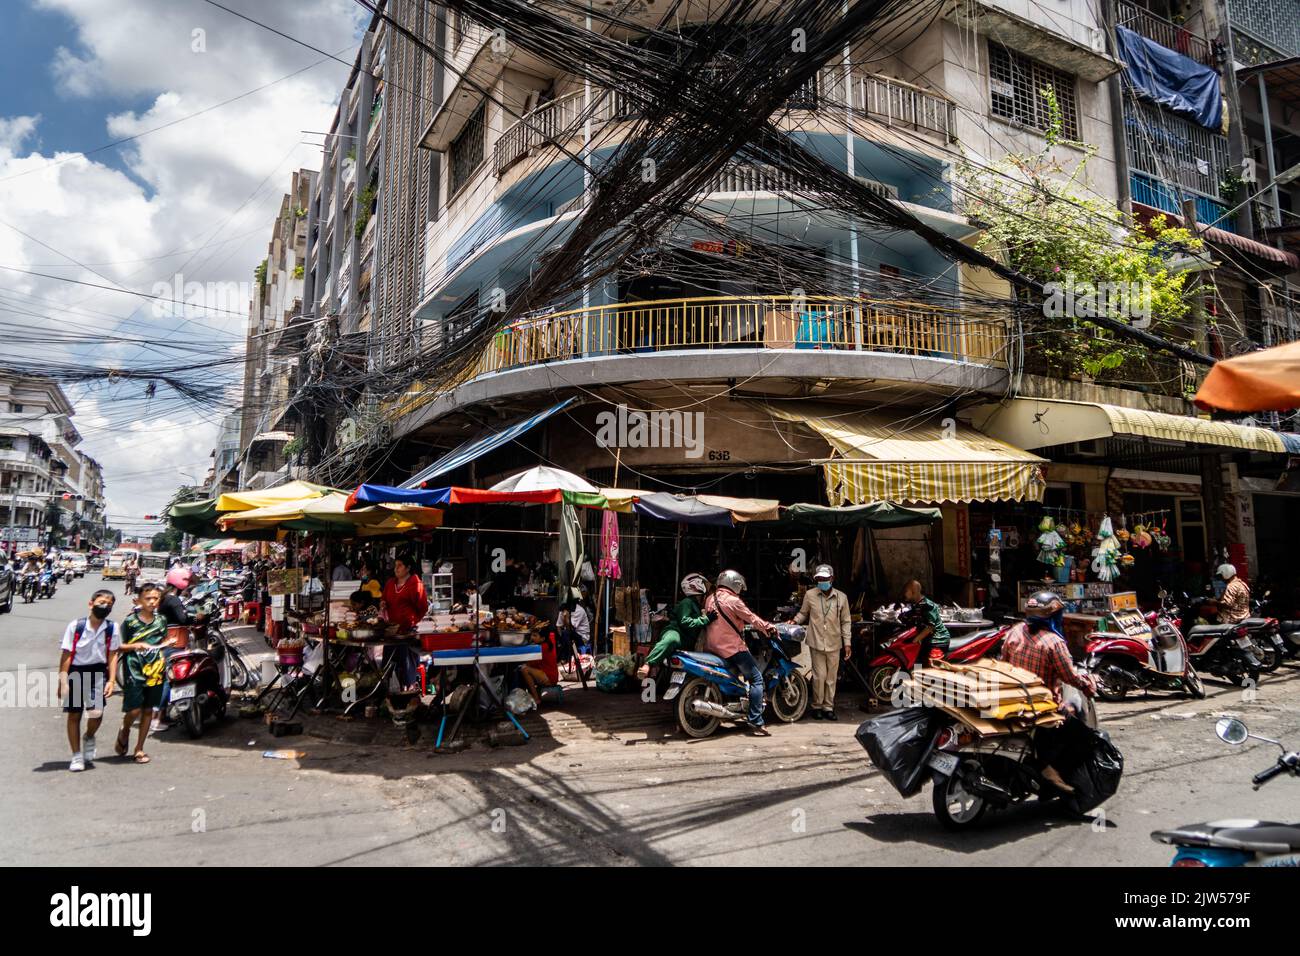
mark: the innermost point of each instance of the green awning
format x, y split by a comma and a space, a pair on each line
874, 514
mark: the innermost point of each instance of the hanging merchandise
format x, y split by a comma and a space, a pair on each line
995, 555
1141, 537
1050, 544
1161, 537
1122, 533
1105, 556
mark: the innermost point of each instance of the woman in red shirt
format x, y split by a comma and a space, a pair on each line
405, 604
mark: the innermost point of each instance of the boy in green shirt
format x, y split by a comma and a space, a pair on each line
144, 635
685, 622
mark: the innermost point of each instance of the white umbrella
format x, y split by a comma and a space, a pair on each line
545, 478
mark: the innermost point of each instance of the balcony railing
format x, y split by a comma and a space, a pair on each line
880, 97
770, 322
1275, 23
1166, 150
1166, 33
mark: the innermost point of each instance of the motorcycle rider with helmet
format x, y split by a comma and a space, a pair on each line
728, 614
1037, 644
685, 623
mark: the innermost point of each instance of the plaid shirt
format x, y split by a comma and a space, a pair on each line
1046, 654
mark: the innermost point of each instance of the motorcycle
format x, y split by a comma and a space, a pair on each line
1158, 660
899, 654
200, 680
973, 771
708, 693
207, 631
1264, 632
1224, 650
68, 575
48, 585
1239, 842
31, 587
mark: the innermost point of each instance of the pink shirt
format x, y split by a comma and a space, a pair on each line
720, 637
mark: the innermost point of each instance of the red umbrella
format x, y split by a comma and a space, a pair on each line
1263, 381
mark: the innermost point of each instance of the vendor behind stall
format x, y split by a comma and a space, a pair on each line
405, 604
686, 622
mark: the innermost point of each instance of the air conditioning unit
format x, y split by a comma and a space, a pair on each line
884, 190
1092, 448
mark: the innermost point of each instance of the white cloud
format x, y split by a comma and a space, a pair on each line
214, 181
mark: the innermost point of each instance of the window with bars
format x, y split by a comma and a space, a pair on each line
1016, 85
466, 152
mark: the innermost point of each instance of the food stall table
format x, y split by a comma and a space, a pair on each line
476, 658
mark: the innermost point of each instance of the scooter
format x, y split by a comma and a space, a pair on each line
31, 587
1224, 650
899, 656
68, 575
1239, 842
48, 584
1266, 632
708, 693
200, 684
1158, 660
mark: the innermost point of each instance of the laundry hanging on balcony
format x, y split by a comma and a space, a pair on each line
1169, 79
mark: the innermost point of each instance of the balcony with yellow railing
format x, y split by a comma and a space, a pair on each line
722, 323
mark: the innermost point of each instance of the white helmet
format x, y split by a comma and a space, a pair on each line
695, 584
1227, 571
824, 572
732, 581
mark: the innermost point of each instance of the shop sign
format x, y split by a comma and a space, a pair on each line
731, 247
963, 542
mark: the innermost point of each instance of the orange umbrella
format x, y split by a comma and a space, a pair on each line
1263, 381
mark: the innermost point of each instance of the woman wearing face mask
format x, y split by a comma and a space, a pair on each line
827, 614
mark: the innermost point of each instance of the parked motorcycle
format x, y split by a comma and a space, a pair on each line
1225, 651
1159, 660
1239, 842
708, 693
899, 655
200, 684
1264, 632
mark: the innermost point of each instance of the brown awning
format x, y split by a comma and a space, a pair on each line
1221, 237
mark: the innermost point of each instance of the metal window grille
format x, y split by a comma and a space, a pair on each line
1275, 22
466, 153
1016, 85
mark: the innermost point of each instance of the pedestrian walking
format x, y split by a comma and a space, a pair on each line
141, 669
829, 618
87, 669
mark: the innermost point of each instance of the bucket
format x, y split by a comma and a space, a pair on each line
552, 694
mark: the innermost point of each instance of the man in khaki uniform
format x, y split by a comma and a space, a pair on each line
828, 617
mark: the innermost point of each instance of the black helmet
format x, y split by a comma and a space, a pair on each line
1043, 606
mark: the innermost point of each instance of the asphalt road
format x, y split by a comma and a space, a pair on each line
805, 796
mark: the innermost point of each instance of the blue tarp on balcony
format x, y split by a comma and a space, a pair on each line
1169, 79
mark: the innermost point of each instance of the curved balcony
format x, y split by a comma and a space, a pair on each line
765, 322
881, 98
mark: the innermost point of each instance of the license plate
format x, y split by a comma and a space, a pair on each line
946, 764
183, 692
679, 677
1244, 643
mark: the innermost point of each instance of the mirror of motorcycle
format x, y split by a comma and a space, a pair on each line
1231, 730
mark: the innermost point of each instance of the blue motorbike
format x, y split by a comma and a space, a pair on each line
1240, 842
48, 584
707, 693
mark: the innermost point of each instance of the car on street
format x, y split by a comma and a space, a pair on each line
79, 564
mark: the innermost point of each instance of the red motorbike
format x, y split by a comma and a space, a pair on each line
899, 655
1156, 660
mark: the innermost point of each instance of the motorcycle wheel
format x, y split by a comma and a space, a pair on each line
955, 806
239, 674
1269, 659
1193, 686
697, 725
880, 682
194, 721
1112, 683
790, 699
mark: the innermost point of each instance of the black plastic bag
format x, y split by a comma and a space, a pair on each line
1096, 777
899, 744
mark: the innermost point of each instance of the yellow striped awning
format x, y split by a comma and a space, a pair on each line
1039, 422
891, 456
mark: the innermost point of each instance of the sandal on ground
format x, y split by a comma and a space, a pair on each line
123, 741
141, 757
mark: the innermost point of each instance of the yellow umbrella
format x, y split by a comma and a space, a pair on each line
288, 492
329, 512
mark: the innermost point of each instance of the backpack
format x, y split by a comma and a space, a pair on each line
81, 629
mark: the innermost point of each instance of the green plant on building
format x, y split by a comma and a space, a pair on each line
366, 204
298, 271
1042, 220
260, 273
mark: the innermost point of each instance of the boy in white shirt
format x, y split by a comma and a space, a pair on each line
87, 669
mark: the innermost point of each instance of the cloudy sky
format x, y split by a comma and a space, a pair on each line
193, 200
